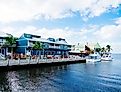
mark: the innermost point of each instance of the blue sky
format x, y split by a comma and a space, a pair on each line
75, 20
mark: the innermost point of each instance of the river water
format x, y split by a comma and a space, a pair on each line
98, 77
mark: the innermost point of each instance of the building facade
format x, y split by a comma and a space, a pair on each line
50, 46
3, 49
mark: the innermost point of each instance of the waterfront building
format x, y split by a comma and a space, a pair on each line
97, 47
77, 48
92, 47
50, 46
3, 49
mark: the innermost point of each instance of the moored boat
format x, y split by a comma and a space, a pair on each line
106, 57
92, 58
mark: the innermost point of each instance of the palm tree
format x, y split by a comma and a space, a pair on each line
37, 46
103, 50
10, 42
108, 48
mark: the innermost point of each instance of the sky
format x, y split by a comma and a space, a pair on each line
78, 21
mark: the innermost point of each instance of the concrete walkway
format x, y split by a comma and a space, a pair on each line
12, 62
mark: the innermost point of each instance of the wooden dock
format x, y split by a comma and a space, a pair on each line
29, 63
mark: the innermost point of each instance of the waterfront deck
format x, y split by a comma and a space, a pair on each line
12, 63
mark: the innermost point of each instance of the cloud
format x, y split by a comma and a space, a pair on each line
118, 21
70, 35
25, 10
7, 29
110, 33
102, 6
90, 33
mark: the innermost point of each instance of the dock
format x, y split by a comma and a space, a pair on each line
12, 64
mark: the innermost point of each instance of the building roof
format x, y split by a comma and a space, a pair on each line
93, 45
62, 41
47, 41
97, 45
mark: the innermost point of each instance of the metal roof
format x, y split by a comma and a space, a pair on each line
47, 41
97, 45
43, 40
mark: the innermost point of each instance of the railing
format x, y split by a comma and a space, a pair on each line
11, 62
56, 47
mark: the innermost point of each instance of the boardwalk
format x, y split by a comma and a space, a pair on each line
25, 62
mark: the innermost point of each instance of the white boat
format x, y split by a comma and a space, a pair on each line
92, 58
106, 57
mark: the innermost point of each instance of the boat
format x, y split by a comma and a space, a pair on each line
106, 57
92, 58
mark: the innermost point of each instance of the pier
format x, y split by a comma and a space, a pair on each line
30, 63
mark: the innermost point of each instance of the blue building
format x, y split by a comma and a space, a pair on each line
51, 46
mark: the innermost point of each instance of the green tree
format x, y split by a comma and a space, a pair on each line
108, 48
103, 50
10, 42
38, 47
97, 50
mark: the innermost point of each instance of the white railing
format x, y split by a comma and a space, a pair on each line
57, 47
11, 62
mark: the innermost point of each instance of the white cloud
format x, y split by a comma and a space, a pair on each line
111, 33
102, 6
108, 34
24, 10
118, 21
8, 29
70, 35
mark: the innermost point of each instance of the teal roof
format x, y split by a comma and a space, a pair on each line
62, 41
97, 45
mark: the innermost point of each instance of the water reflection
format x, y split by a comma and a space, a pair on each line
30, 79
4, 84
99, 77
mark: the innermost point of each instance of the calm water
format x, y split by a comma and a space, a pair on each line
99, 77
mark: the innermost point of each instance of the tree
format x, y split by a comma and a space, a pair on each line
37, 46
10, 42
97, 50
103, 50
108, 48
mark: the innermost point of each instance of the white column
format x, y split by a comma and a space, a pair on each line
25, 51
6, 50
28, 44
54, 45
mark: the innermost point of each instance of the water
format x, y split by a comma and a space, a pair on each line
99, 77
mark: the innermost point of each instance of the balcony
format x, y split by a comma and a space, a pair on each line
54, 47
